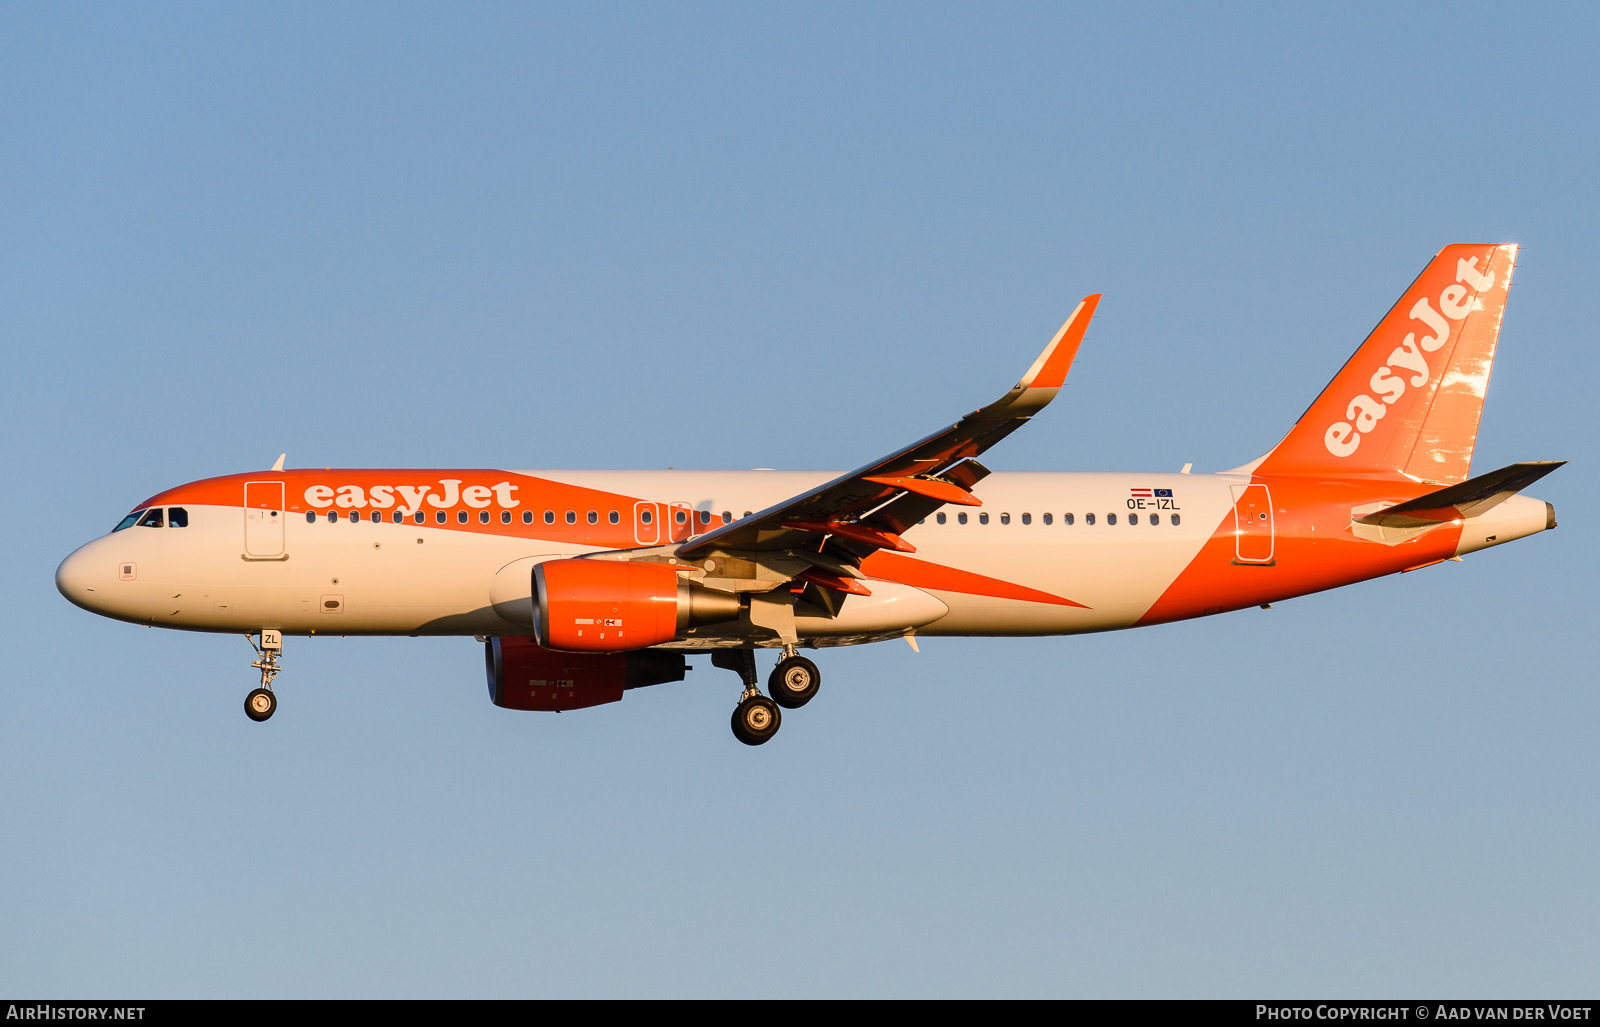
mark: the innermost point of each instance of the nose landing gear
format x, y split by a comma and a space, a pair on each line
261, 703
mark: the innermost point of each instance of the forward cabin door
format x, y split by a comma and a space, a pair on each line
1252, 525
263, 519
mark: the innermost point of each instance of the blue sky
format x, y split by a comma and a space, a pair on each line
788, 236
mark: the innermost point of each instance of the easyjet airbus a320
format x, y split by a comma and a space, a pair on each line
584, 584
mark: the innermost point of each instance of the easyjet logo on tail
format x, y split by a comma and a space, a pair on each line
1408, 364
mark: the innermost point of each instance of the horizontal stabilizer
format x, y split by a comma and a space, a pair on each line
1468, 499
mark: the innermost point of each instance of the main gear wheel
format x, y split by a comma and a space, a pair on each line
756, 719
794, 682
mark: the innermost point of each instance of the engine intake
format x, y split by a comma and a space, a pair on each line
610, 606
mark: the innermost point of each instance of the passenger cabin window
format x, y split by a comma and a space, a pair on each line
961, 518
419, 517
461, 517
505, 516
939, 518
1087, 518
132, 519
1005, 518
311, 517
680, 517
645, 516
1047, 519
177, 517
440, 517
572, 517
1111, 518
152, 518
1175, 521
398, 516
727, 517
1155, 518
1028, 518
527, 517
983, 518
594, 518
549, 516
614, 517
1132, 518
333, 515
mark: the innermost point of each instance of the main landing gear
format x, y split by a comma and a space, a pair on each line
793, 682
261, 703
756, 719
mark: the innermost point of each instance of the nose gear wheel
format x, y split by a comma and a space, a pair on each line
260, 704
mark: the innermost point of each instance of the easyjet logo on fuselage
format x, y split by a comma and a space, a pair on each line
1364, 412
410, 498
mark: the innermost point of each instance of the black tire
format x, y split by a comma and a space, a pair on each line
260, 704
794, 682
756, 720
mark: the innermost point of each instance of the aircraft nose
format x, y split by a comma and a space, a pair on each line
80, 579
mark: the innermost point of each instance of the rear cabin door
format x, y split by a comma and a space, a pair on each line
263, 519
1252, 524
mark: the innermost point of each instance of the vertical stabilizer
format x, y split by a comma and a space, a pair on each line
1409, 400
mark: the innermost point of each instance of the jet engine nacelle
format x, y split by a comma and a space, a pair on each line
525, 676
609, 606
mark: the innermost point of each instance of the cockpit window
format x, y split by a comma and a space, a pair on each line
152, 518
177, 517
128, 521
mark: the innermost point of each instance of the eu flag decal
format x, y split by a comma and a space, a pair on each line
1163, 493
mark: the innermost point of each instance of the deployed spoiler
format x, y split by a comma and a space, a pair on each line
1468, 499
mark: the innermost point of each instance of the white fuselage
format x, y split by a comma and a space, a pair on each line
1093, 540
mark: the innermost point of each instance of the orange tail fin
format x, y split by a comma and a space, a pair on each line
1409, 400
